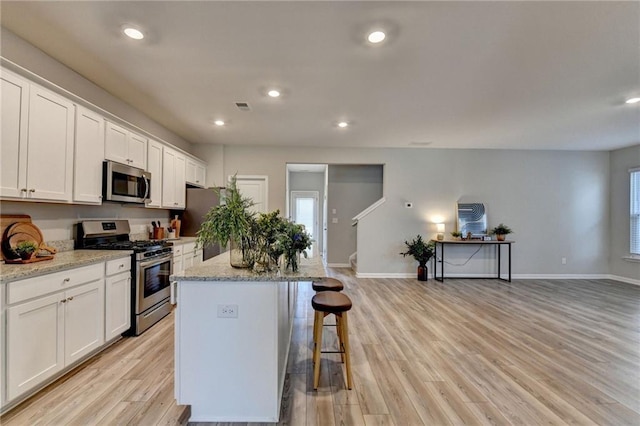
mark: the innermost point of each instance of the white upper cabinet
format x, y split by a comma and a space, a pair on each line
173, 179
13, 147
154, 166
89, 149
196, 172
125, 146
37, 142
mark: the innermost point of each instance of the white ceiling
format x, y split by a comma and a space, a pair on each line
522, 75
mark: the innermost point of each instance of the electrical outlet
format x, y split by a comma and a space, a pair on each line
334, 220
227, 311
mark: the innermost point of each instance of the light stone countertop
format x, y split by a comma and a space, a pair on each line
218, 269
183, 240
61, 261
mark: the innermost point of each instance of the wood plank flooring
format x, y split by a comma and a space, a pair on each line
480, 352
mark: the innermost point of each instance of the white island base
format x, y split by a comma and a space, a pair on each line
233, 369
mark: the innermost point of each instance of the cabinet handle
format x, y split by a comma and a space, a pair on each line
63, 301
100, 197
23, 190
70, 298
121, 265
32, 190
66, 280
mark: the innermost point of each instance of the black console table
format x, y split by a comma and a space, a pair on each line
497, 244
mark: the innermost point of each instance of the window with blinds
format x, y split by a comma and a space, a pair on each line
635, 210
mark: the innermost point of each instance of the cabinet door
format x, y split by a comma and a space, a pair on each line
137, 149
178, 266
180, 182
187, 261
169, 178
35, 343
154, 166
83, 320
117, 305
201, 174
89, 153
14, 92
191, 171
116, 146
50, 153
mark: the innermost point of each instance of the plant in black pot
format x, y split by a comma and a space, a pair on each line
26, 249
422, 252
230, 222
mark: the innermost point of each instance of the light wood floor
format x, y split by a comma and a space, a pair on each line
529, 352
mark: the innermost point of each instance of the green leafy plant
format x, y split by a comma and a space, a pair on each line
420, 250
266, 230
231, 221
294, 240
456, 234
25, 249
501, 229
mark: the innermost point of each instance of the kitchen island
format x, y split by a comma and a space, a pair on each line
232, 336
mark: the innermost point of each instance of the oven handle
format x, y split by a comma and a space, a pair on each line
155, 260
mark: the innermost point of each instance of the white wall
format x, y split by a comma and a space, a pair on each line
24, 54
557, 202
621, 161
56, 220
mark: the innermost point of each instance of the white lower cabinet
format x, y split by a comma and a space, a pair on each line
55, 321
117, 298
48, 333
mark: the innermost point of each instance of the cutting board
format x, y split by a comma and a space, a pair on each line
9, 219
21, 229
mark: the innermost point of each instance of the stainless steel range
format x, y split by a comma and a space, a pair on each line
151, 266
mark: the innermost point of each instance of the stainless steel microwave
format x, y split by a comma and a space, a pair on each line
125, 184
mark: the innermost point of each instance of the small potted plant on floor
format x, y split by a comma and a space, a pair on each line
501, 231
26, 249
422, 252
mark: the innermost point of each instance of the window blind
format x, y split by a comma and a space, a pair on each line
635, 211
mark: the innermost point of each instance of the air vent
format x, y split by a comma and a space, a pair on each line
243, 106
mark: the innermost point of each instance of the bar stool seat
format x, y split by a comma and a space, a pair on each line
328, 284
327, 303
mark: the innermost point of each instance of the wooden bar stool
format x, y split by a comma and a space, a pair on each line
328, 284
326, 303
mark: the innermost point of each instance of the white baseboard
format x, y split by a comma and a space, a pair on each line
514, 276
338, 265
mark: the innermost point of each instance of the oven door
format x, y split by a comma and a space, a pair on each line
153, 285
125, 183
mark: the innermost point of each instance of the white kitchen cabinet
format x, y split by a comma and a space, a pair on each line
178, 265
88, 157
154, 166
125, 146
37, 142
52, 322
196, 172
83, 320
173, 179
14, 92
117, 297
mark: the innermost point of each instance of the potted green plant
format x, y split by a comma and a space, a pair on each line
500, 231
293, 241
265, 233
457, 235
422, 252
230, 223
26, 249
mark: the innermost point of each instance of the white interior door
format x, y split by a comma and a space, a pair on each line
255, 188
304, 210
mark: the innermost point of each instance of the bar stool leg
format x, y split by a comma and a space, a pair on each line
340, 336
345, 338
318, 347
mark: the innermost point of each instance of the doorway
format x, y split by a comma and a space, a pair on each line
305, 211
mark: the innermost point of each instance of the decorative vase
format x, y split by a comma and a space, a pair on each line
423, 272
500, 237
292, 260
239, 255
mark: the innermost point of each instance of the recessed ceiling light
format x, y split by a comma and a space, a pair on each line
219, 123
133, 33
273, 93
632, 100
343, 124
376, 37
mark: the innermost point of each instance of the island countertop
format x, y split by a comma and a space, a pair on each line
219, 269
